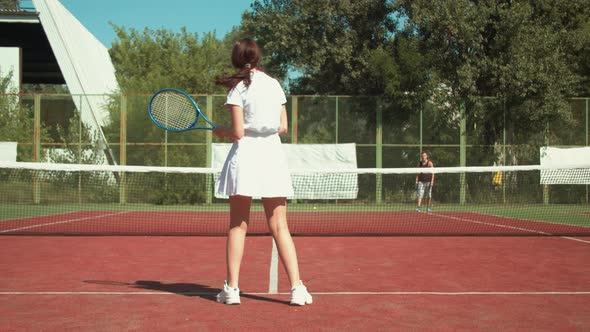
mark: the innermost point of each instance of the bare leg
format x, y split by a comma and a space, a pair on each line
236, 237
276, 216
420, 194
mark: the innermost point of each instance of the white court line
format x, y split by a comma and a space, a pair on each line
509, 227
273, 280
314, 293
273, 274
62, 222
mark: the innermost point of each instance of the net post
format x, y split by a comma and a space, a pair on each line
123, 149
37, 146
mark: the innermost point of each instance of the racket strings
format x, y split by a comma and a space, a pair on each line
173, 110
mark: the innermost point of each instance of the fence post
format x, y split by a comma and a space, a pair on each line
294, 115
421, 128
337, 120
545, 186
504, 150
123, 149
462, 153
379, 154
209, 152
587, 133
37, 146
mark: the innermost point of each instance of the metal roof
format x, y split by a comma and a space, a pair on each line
23, 29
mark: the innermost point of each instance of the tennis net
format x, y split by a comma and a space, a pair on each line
76, 199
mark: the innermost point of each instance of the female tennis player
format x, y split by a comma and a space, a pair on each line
256, 166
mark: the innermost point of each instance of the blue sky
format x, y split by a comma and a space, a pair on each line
198, 16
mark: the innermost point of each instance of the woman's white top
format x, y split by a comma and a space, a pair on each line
256, 165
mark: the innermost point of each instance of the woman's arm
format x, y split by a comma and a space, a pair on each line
284, 126
236, 131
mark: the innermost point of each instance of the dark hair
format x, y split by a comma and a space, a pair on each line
245, 56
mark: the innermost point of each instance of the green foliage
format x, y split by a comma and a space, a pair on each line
328, 42
149, 60
531, 55
9, 4
45, 89
16, 123
69, 136
508, 49
154, 59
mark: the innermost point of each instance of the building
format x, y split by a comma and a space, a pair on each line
45, 44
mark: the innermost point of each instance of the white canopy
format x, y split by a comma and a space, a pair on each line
83, 60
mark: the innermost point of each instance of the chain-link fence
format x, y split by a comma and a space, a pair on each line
488, 132
51, 128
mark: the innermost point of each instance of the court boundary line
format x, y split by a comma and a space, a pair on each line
313, 293
63, 222
530, 220
506, 226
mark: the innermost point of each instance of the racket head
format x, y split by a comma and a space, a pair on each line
174, 110
415, 194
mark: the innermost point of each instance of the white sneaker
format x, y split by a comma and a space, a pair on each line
229, 295
300, 295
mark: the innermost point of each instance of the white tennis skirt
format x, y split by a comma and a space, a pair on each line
256, 166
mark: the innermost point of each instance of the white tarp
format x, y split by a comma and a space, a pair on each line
309, 158
83, 60
553, 157
8, 151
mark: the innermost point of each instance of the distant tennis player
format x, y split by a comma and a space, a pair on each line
256, 166
424, 183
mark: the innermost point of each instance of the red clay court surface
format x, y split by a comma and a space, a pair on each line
368, 283
136, 283
303, 223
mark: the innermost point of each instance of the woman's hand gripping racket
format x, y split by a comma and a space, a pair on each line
174, 110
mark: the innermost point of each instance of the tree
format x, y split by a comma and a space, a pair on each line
9, 4
16, 118
149, 60
528, 54
153, 59
328, 43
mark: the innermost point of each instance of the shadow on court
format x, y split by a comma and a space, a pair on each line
184, 289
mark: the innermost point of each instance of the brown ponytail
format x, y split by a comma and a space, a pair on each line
245, 57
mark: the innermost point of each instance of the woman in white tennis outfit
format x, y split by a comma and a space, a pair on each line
256, 166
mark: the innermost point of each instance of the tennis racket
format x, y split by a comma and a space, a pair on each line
174, 110
415, 193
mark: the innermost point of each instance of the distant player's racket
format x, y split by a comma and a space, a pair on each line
415, 193
174, 110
